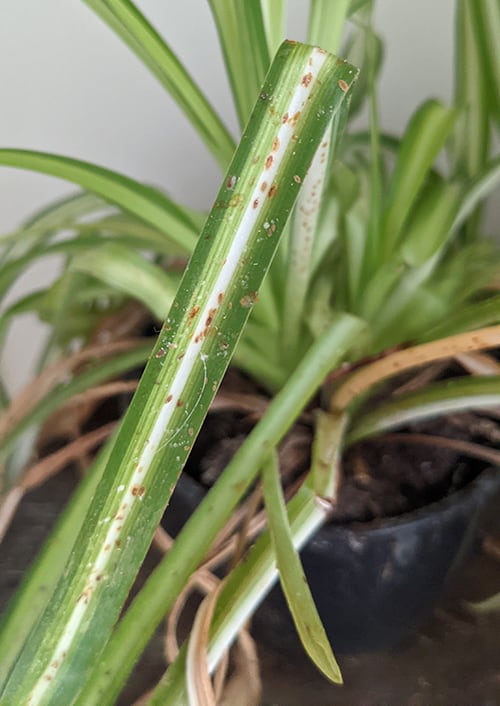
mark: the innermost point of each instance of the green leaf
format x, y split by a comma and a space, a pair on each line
457, 395
471, 144
470, 147
468, 318
243, 39
273, 15
430, 223
293, 580
148, 204
487, 29
478, 190
357, 5
326, 23
327, 446
124, 18
302, 237
127, 272
364, 48
424, 138
44, 224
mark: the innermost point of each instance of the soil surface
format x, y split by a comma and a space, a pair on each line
381, 477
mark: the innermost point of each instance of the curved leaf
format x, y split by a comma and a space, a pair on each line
148, 204
124, 18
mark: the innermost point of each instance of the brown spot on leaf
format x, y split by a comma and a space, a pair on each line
297, 179
306, 79
169, 399
263, 186
255, 203
276, 144
138, 491
193, 312
343, 86
179, 403
269, 162
160, 353
220, 297
272, 191
284, 118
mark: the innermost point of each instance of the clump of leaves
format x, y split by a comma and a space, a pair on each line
380, 247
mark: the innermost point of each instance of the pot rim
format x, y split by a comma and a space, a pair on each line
477, 490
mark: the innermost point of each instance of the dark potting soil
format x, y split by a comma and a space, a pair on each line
379, 478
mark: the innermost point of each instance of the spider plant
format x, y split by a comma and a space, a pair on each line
380, 248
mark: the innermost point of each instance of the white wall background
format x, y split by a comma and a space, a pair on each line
68, 85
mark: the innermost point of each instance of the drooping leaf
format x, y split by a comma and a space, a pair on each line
148, 204
293, 580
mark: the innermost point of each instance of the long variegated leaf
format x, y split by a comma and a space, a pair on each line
243, 39
458, 395
125, 19
425, 136
148, 204
125, 271
304, 87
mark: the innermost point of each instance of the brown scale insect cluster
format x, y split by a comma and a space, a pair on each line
209, 330
306, 79
248, 300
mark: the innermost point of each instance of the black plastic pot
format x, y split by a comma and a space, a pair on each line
374, 584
